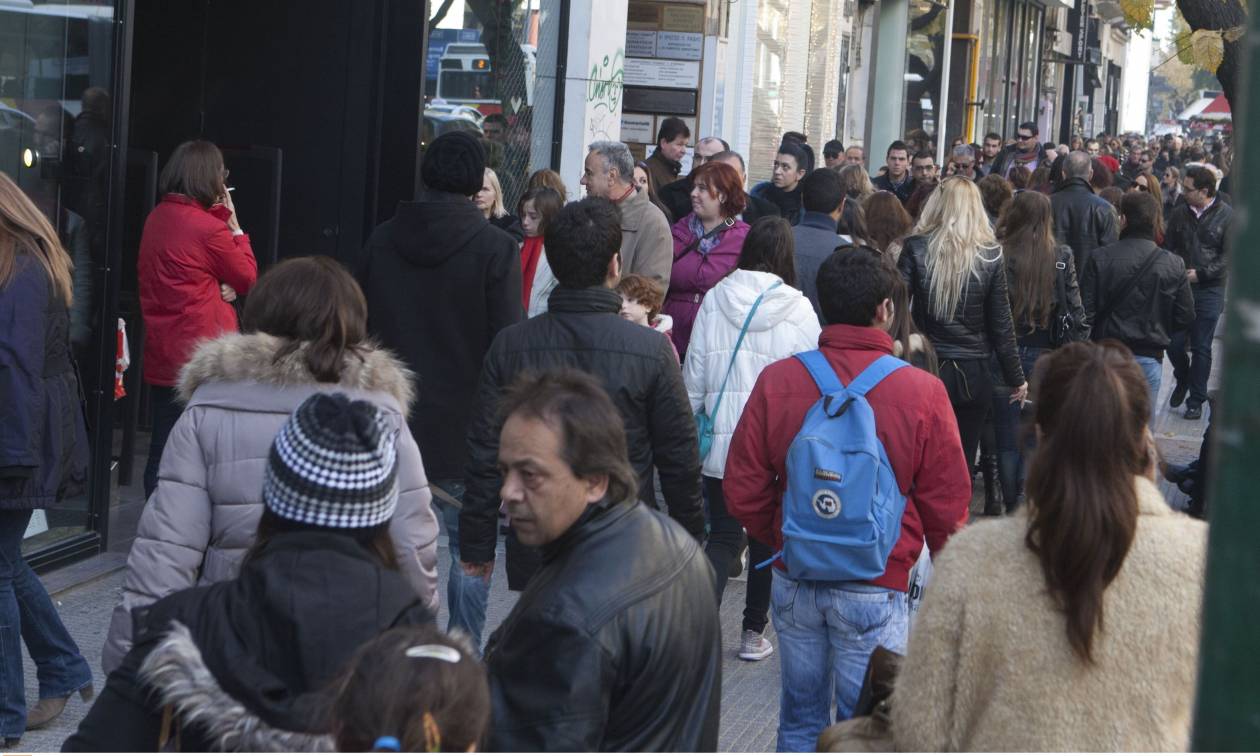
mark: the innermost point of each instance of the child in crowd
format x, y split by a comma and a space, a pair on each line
412, 690
536, 208
641, 300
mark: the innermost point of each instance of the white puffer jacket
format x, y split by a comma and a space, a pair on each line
784, 325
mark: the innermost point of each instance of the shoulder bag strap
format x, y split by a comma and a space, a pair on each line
695, 243
1112, 302
740, 342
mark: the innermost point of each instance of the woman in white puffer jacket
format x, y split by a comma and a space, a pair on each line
783, 324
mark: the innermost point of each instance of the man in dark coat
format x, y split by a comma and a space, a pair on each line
583, 328
1026, 152
1082, 220
897, 178
1158, 304
1197, 232
665, 163
815, 236
440, 283
616, 644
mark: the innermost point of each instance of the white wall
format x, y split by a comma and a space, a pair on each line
1136, 82
592, 87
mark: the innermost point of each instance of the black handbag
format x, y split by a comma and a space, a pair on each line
1064, 327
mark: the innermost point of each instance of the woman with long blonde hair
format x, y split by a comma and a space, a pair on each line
43, 456
489, 200
954, 269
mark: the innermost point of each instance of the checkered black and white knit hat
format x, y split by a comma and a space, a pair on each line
333, 465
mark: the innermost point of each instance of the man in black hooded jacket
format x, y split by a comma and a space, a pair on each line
583, 328
440, 283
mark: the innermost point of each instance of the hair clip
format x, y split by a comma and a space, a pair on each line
434, 651
387, 743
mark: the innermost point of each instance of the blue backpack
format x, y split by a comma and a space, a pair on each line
842, 507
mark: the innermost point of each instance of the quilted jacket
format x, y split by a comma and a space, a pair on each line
783, 325
200, 522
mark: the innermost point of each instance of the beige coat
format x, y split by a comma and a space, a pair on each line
201, 519
989, 668
647, 246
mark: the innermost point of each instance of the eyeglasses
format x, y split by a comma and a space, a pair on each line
832, 155
1024, 137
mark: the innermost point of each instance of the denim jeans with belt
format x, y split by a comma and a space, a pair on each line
27, 612
1193, 371
466, 595
1153, 369
827, 632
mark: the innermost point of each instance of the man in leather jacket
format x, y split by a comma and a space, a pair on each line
1197, 232
616, 643
1143, 316
1082, 220
583, 329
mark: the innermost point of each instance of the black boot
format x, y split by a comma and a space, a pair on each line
993, 505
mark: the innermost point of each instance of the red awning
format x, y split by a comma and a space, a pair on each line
1219, 105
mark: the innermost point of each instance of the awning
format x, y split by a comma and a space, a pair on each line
1194, 110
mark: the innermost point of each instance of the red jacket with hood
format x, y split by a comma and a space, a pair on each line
913, 419
186, 251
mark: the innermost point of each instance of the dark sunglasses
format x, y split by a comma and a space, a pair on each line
831, 155
1022, 137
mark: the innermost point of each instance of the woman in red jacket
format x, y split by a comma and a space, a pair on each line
194, 260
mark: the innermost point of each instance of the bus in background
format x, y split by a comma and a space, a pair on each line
466, 77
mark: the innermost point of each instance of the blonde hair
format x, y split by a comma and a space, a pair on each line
958, 236
23, 228
498, 209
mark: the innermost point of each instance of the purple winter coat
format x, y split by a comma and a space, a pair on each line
694, 274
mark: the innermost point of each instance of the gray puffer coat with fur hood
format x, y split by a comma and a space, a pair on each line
201, 519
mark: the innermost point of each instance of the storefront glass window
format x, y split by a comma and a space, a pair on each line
924, 59
496, 61
56, 70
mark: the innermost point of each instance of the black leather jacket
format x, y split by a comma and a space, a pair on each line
1200, 241
1006, 158
1158, 305
1083, 220
636, 365
614, 646
982, 324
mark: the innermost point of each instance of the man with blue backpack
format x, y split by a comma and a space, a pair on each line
846, 460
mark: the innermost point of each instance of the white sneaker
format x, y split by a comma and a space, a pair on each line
754, 646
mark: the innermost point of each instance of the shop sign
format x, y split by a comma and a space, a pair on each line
679, 45
644, 72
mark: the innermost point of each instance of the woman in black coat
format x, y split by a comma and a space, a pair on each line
246, 664
43, 455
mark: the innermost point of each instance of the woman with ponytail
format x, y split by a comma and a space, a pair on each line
1073, 626
305, 331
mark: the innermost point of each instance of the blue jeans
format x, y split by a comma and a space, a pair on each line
466, 596
827, 632
27, 612
1154, 371
1013, 452
1192, 371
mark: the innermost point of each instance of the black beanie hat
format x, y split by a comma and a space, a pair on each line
334, 464
455, 162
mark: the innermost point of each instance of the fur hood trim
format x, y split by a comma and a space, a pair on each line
236, 357
177, 672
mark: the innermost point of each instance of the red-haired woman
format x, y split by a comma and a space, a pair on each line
706, 244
